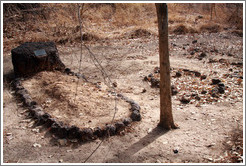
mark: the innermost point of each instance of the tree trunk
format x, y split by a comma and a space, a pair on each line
166, 117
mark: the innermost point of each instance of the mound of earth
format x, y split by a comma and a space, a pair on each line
74, 101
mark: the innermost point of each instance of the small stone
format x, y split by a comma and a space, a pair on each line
150, 130
37, 145
114, 84
203, 92
215, 81
144, 90
50, 156
135, 116
111, 129
150, 75
194, 41
35, 131
221, 90
210, 145
62, 142
197, 74
119, 126
175, 150
61, 160
221, 84
156, 70
127, 121
87, 134
197, 98
202, 55
8, 134
174, 90
229, 54
98, 132
178, 74
155, 83
135, 106
184, 100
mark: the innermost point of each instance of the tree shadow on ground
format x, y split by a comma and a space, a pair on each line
126, 155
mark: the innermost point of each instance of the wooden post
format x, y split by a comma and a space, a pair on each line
166, 117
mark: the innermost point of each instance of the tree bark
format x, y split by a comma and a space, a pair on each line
166, 117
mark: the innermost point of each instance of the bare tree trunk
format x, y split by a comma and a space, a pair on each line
166, 117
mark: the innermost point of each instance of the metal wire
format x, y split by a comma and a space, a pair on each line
106, 78
81, 49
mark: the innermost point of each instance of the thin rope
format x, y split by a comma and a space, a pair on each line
106, 78
81, 49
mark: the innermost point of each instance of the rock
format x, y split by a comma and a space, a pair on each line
197, 74
38, 113
203, 92
146, 78
184, 100
215, 90
178, 74
29, 102
194, 41
98, 132
49, 122
43, 119
135, 106
150, 75
203, 77
32, 57
221, 90
214, 95
62, 132
135, 116
67, 70
149, 130
115, 84
120, 96
223, 61
175, 150
110, 129
174, 90
36, 145
215, 81
202, 55
229, 54
87, 134
156, 70
62, 142
35, 131
55, 127
127, 121
73, 132
155, 83
33, 111
238, 64
21, 92
197, 98
144, 90
8, 134
119, 126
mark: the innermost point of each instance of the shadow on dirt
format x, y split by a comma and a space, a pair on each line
126, 155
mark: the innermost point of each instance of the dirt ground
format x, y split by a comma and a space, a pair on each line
210, 128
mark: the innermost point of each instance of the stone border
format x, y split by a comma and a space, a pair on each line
61, 130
